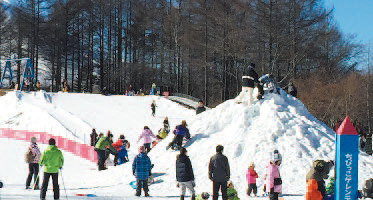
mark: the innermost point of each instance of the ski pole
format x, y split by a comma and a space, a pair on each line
63, 183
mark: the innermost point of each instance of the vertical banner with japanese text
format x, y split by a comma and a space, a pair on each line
347, 157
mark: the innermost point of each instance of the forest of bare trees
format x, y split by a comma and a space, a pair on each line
196, 47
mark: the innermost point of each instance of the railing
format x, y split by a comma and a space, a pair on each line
185, 96
81, 150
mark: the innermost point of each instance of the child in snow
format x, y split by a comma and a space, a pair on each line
312, 192
117, 146
153, 106
203, 196
166, 124
231, 192
251, 177
147, 134
319, 171
122, 153
273, 178
140, 167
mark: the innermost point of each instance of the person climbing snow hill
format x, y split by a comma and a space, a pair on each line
180, 132
147, 135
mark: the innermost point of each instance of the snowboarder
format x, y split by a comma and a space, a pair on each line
273, 178
251, 177
184, 174
153, 106
93, 137
100, 148
33, 158
166, 124
180, 132
201, 108
53, 160
249, 79
140, 167
147, 134
219, 173
319, 171
291, 89
231, 192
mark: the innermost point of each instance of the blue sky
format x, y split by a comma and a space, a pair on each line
354, 17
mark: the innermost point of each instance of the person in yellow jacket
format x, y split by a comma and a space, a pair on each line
52, 160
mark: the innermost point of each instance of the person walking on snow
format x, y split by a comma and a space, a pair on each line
153, 106
180, 132
249, 79
140, 167
100, 148
184, 174
166, 124
33, 158
147, 134
273, 178
219, 173
53, 160
93, 137
251, 177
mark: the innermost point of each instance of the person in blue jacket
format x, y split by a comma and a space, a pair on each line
140, 167
180, 132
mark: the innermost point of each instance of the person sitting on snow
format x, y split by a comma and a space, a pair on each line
162, 134
249, 79
180, 132
231, 192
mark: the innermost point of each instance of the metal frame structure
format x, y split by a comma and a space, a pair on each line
28, 72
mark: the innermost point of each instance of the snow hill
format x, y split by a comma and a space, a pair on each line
248, 133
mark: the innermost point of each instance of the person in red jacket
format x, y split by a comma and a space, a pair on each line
117, 146
312, 192
251, 177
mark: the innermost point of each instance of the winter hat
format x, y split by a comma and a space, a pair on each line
52, 141
146, 127
33, 140
276, 156
141, 149
219, 148
205, 195
121, 137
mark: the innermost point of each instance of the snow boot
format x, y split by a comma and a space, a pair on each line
147, 194
182, 197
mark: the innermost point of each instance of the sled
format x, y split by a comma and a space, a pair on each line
86, 195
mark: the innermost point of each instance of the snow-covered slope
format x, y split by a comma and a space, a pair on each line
248, 133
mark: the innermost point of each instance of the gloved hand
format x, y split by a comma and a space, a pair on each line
193, 184
177, 185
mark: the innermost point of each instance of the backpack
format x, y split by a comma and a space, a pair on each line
368, 188
29, 157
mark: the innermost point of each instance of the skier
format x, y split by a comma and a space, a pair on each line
251, 177
166, 124
319, 171
231, 192
52, 159
180, 132
100, 148
117, 146
153, 106
184, 174
273, 178
201, 108
140, 167
147, 134
93, 137
291, 89
33, 158
249, 79
219, 173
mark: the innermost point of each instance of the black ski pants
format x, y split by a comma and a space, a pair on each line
178, 140
101, 158
44, 187
273, 196
216, 186
252, 188
142, 184
33, 170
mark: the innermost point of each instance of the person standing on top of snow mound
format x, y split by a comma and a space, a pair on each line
33, 158
100, 148
140, 167
319, 171
219, 173
93, 137
52, 159
180, 132
273, 178
249, 79
147, 134
184, 174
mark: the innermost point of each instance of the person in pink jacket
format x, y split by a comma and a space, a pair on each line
251, 177
147, 134
273, 178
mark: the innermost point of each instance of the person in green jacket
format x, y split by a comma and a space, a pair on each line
330, 186
100, 148
231, 192
52, 160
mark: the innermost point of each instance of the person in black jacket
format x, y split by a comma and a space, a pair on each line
291, 89
153, 106
93, 137
219, 173
249, 79
201, 108
184, 174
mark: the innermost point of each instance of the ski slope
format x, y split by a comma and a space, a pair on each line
248, 133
